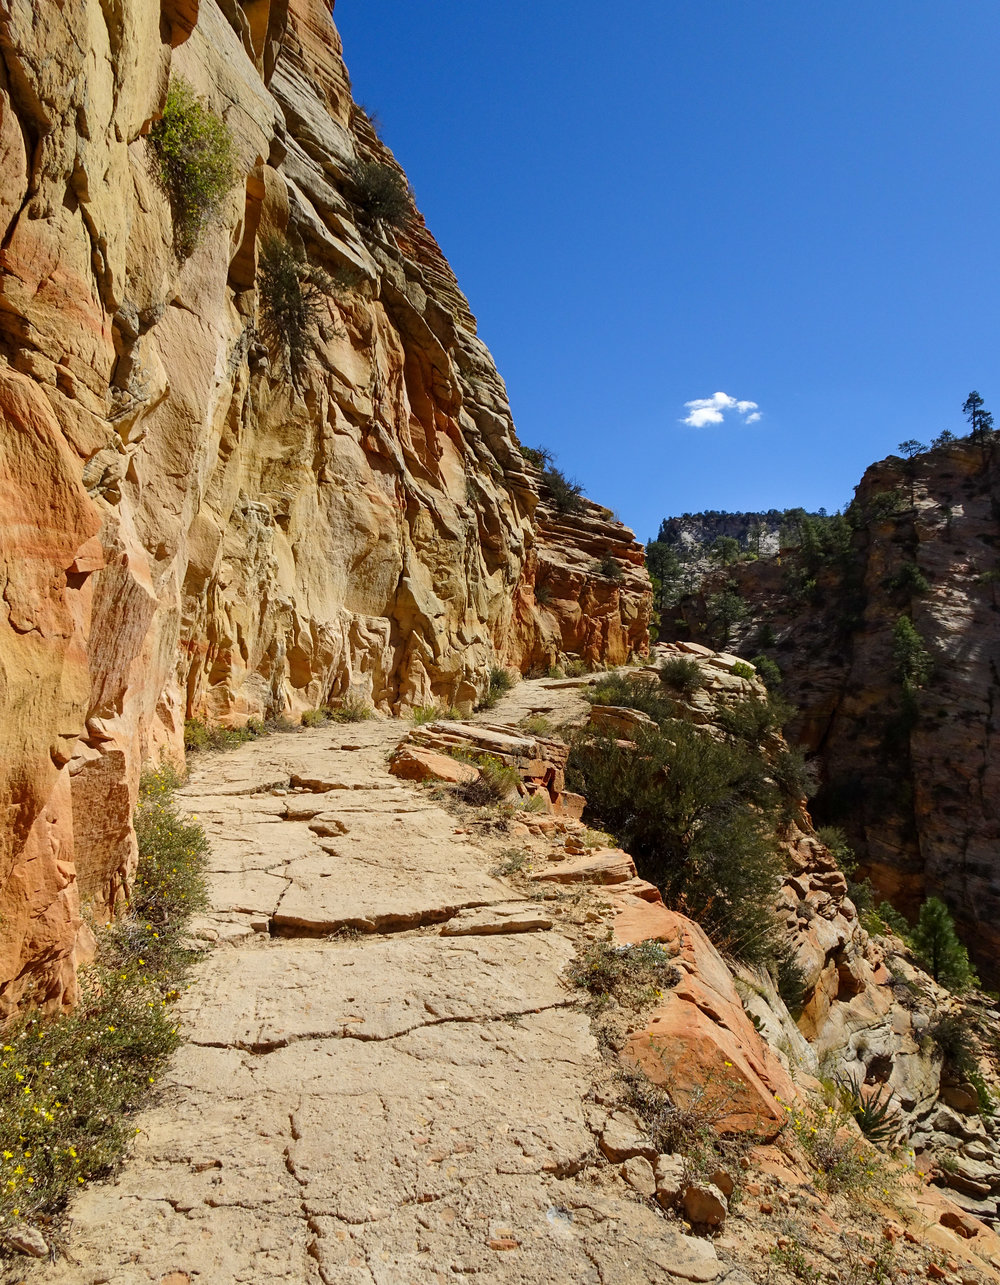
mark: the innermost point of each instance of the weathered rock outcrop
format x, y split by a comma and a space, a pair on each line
188, 534
913, 780
865, 1013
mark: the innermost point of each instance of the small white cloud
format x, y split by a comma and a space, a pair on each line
712, 410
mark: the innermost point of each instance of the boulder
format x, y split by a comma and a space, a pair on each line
704, 1204
413, 764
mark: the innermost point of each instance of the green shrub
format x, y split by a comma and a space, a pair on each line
537, 455
937, 948
767, 671
566, 495
196, 163
512, 861
200, 737
382, 195
576, 668
789, 978
742, 670
753, 720
698, 817
610, 568
834, 838
909, 579
682, 675
70, 1085
352, 709
315, 717
724, 610
424, 713
496, 782
874, 1114
635, 976
913, 663
290, 292
648, 698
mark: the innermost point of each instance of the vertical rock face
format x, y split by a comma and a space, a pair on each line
187, 534
912, 778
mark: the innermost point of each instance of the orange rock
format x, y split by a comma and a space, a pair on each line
413, 764
700, 1045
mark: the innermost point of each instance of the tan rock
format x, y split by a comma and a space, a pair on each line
423, 765
704, 1204
606, 866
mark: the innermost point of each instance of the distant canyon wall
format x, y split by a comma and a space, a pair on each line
187, 533
912, 777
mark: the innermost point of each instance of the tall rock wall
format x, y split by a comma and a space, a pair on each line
187, 533
913, 780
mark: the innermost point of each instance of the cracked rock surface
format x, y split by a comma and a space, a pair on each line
388, 1106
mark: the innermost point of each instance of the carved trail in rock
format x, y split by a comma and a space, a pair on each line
371, 1108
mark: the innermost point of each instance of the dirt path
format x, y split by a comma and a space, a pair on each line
392, 1108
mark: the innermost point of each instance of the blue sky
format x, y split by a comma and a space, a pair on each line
793, 204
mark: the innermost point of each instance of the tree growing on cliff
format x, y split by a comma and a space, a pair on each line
196, 163
980, 421
382, 195
913, 662
938, 950
291, 300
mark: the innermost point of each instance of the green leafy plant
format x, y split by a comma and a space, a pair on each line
610, 568
196, 163
742, 670
635, 975
291, 295
566, 495
382, 195
873, 1111
200, 736
909, 579
537, 455
682, 675
500, 682
937, 948
497, 782
698, 815
351, 709
767, 671
70, 1085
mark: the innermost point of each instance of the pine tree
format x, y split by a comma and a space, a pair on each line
980, 421
938, 949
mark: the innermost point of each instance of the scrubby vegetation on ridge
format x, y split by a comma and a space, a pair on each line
701, 816
382, 195
70, 1086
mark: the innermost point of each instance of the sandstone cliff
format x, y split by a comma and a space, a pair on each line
910, 775
189, 534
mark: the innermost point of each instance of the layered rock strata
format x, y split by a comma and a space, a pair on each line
188, 532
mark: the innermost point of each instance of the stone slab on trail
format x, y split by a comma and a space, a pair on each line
374, 991
390, 871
